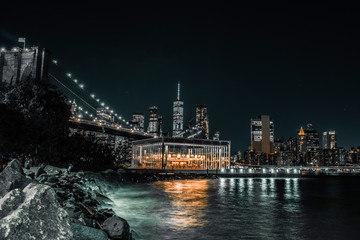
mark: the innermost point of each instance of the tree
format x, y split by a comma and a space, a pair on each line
46, 115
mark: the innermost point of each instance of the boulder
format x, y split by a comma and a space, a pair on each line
12, 177
51, 170
82, 232
117, 228
33, 213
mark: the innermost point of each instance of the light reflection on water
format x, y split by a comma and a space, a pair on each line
189, 198
236, 208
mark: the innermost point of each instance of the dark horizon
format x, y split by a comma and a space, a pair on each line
297, 63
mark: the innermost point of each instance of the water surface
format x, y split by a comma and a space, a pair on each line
242, 208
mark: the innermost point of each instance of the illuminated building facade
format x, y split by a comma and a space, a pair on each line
329, 140
202, 120
137, 123
178, 115
155, 122
105, 116
308, 146
180, 153
262, 134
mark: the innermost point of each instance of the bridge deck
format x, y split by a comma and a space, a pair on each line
106, 128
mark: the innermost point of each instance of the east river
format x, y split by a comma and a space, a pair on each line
242, 208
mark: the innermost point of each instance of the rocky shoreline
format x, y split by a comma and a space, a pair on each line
51, 203
47, 202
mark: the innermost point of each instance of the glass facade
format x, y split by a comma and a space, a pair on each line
175, 153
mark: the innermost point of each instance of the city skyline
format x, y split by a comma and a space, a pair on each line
234, 61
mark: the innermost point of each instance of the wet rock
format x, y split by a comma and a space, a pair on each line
51, 170
39, 172
28, 164
83, 232
52, 179
31, 175
33, 213
110, 172
117, 228
12, 177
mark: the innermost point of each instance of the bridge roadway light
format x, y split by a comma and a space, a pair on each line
69, 75
81, 85
98, 100
107, 108
92, 95
75, 80
55, 62
102, 104
3, 49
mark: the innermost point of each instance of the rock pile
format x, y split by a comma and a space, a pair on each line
58, 202
29, 210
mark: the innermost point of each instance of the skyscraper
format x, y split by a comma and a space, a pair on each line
155, 122
178, 115
202, 119
262, 134
137, 122
329, 140
307, 145
312, 139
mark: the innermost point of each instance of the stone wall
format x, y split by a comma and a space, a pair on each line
18, 65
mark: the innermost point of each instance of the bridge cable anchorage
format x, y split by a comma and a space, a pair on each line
81, 86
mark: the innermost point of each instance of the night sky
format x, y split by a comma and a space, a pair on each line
298, 63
